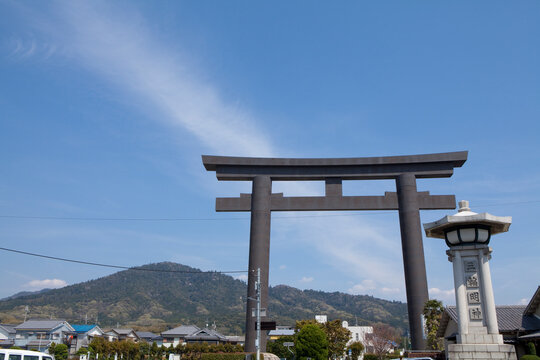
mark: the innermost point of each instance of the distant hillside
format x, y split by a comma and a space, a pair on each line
156, 300
25, 293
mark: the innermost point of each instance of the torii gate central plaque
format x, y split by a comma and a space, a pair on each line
403, 169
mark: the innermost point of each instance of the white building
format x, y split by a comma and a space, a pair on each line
358, 333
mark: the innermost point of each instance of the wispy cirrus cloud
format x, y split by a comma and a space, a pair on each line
123, 52
116, 46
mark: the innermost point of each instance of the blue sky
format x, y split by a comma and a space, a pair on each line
106, 108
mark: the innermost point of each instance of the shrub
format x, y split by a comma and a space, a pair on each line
370, 357
222, 356
531, 349
529, 357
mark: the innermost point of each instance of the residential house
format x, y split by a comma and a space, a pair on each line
83, 336
236, 339
149, 337
208, 336
39, 334
7, 335
176, 336
122, 334
518, 324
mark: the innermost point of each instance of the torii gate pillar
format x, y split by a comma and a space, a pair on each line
408, 201
413, 256
259, 254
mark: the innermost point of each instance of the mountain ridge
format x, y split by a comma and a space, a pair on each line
167, 294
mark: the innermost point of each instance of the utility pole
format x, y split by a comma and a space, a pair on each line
258, 291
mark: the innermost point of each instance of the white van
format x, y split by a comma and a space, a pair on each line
12, 354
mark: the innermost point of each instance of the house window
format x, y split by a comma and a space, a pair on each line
357, 337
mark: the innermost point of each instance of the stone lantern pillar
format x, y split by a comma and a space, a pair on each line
467, 234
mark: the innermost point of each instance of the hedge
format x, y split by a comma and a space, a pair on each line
222, 356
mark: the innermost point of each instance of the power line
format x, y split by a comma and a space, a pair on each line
175, 219
119, 266
362, 213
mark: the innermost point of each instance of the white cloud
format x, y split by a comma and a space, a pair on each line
123, 52
447, 296
361, 288
306, 279
357, 248
242, 277
46, 283
524, 301
282, 267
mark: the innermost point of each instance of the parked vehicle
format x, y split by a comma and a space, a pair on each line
12, 354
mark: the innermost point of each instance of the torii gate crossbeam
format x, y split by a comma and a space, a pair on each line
403, 169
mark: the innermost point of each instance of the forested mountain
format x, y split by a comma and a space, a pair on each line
169, 294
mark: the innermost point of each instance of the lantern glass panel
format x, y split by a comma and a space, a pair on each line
468, 235
483, 235
452, 237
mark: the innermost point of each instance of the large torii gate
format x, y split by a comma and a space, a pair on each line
403, 169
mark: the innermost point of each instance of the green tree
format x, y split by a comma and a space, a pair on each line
60, 352
144, 349
356, 349
154, 350
311, 342
337, 337
100, 346
82, 351
336, 334
277, 348
433, 310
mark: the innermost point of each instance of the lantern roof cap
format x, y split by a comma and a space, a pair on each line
464, 217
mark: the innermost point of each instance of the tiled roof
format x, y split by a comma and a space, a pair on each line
207, 334
146, 335
123, 331
509, 318
183, 330
39, 325
9, 328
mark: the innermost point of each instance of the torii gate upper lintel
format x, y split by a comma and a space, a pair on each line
403, 169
